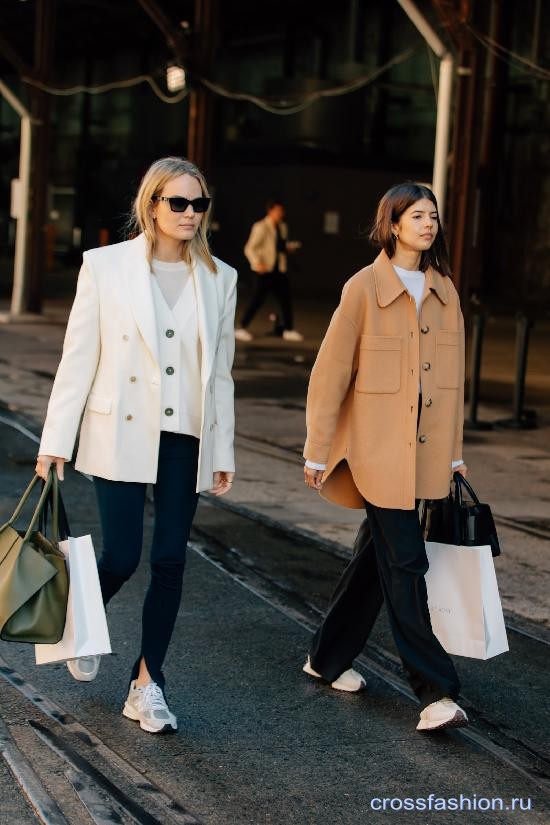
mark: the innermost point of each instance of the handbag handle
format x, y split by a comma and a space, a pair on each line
60, 523
461, 482
39, 506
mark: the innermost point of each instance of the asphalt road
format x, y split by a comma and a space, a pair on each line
258, 742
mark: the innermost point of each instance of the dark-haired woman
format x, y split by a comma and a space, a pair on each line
384, 429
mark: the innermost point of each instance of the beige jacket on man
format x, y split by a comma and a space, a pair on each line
261, 247
363, 393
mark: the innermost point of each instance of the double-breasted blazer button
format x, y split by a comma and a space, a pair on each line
426, 365
169, 370
129, 417
125, 337
423, 439
425, 329
169, 333
133, 379
168, 411
429, 402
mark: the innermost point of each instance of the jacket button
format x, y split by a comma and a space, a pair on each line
429, 402
169, 333
129, 417
168, 411
426, 365
169, 370
125, 337
425, 329
423, 439
133, 379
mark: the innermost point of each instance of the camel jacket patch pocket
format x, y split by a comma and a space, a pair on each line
379, 368
447, 359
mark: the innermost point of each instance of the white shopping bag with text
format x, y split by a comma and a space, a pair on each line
463, 600
86, 632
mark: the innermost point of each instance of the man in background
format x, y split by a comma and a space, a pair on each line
266, 250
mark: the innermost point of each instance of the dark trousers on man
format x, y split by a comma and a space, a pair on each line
279, 285
121, 506
389, 564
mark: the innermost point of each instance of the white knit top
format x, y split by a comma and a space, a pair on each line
179, 347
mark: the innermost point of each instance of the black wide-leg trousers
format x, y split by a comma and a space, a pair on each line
388, 565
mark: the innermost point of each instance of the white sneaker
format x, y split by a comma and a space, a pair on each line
147, 706
292, 335
85, 668
442, 714
349, 681
242, 334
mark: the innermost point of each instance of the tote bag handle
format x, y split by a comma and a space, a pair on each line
461, 482
38, 509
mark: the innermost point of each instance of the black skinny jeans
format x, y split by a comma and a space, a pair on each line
121, 506
389, 564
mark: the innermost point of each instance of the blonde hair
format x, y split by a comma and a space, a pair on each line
152, 183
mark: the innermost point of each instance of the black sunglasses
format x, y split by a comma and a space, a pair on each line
179, 204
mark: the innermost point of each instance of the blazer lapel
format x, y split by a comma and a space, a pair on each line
208, 315
139, 290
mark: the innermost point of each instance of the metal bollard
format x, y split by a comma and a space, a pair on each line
522, 419
472, 423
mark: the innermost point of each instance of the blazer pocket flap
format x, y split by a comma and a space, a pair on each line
381, 342
99, 404
447, 338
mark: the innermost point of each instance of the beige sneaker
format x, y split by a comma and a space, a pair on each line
242, 334
147, 706
85, 668
349, 681
442, 714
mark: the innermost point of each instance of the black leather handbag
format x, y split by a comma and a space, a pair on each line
454, 520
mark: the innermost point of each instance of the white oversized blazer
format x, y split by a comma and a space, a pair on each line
110, 369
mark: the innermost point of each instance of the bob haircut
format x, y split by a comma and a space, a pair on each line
141, 219
392, 205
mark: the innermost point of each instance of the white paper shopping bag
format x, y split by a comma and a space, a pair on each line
86, 632
463, 600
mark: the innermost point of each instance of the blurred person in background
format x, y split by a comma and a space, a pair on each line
267, 251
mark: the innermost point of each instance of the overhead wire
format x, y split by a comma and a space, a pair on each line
108, 87
280, 107
285, 107
502, 52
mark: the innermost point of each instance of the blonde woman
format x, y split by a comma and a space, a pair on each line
147, 359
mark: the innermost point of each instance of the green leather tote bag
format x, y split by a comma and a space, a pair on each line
34, 582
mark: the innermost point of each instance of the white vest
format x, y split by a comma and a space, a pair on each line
180, 359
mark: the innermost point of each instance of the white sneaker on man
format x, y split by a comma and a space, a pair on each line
292, 335
242, 334
85, 668
444, 713
349, 681
147, 706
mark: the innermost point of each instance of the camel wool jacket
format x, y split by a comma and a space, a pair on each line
363, 394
